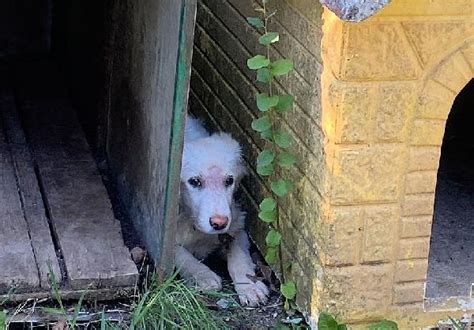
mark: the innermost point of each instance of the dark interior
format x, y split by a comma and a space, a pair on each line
68, 37
451, 261
67, 34
51, 84
113, 65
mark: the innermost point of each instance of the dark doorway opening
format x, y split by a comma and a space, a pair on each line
55, 212
86, 86
451, 260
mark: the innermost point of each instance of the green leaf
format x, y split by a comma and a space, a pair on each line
273, 238
285, 102
282, 326
3, 320
264, 75
281, 187
286, 159
266, 216
294, 320
269, 38
341, 327
384, 325
267, 135
257, 62
456, 323
266, 157
265, 170
281, 67
261, 124
256, 22
288, 290
282, 138
268, 204
52, 310
265, 101
271, 255
327, 322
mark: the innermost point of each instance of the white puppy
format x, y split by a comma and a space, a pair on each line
211, 169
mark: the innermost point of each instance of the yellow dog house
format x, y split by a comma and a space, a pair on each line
379, 224
373, 99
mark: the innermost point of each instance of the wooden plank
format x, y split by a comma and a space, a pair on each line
34, 212
180, 105
144, 118
39, 318
88, 234
102, 294
17, 262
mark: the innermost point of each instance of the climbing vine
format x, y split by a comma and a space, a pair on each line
276, 154
276, 157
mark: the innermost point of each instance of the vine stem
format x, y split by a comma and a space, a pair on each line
274, 149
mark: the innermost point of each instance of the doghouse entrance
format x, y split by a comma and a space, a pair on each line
78, 80
55, 212
451, 260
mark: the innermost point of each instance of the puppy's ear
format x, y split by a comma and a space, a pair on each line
233, 148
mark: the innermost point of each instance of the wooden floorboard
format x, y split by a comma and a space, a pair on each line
88, 234
101, 294
30, 194
17, 262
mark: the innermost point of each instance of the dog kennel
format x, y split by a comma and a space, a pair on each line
88, 88
361, 228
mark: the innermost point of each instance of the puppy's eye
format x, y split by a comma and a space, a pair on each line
195, 182
229, 181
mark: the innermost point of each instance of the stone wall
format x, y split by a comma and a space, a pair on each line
388, 86
368, 133
223, 94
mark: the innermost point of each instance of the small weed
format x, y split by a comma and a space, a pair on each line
3, 320
328, 322
384, 325
274, 161
457, 325
173, 304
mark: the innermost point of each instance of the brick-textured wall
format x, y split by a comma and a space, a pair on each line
368, 134
223, 94
388, 86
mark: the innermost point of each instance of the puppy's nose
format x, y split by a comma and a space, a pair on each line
218, 222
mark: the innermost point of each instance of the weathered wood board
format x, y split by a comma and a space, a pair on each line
55, 213
29, 192
17, 261
148, 68
77, 202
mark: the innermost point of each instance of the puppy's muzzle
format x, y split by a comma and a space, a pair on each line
218, 222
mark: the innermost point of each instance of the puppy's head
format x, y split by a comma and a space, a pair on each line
211, 169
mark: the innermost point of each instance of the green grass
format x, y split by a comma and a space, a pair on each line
171, 304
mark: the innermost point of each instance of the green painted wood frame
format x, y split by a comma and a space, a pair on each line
180, 104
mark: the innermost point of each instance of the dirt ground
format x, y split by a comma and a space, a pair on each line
40, 314
235, 316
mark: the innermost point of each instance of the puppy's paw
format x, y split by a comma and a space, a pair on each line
252, 294
208, 280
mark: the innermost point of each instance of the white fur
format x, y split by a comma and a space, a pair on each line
212, 159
